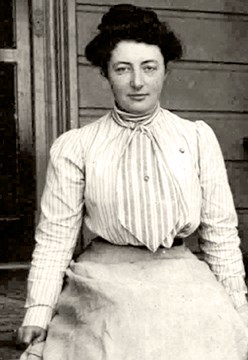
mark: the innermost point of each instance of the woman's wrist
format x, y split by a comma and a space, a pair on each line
39, 315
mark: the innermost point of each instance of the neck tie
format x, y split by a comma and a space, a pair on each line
148, 195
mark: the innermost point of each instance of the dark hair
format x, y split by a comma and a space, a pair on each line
129, 22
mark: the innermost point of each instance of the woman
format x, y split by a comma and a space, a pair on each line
146, 179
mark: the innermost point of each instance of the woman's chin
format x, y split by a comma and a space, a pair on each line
137, 108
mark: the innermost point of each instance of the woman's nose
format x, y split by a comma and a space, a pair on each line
136, 80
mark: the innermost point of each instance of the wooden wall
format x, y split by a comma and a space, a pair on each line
209, 83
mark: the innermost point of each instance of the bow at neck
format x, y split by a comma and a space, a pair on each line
150, 213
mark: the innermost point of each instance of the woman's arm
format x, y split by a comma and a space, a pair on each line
218, 230
58, 229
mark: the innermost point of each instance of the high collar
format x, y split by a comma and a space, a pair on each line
130, 120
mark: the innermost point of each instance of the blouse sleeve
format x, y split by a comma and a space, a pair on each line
219, 239
58, 229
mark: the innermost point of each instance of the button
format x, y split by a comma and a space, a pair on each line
146, 178
182, 150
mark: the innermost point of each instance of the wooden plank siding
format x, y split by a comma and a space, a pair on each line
217, 41
218, 6
186, 88
210, 82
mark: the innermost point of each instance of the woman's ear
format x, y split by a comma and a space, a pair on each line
104, 73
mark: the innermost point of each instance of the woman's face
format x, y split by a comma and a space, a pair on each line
136, 74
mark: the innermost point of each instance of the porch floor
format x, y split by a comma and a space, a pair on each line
12, 298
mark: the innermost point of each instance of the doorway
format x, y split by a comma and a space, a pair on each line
17, 164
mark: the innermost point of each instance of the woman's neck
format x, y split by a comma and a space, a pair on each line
123, 117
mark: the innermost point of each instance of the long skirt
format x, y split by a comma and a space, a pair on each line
127, 303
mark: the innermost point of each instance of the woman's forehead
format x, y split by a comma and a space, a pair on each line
132, 51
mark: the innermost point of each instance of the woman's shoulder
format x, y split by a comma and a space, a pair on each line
198, 127
78, 139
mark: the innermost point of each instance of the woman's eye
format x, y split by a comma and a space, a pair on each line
122, 70
149, 69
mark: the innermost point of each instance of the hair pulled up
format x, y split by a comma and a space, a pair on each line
129, 22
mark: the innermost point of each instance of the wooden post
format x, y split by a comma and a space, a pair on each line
55, 76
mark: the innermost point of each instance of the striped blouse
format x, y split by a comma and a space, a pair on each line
165, 177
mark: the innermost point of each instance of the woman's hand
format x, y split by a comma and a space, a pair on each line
27, 335
243, 312
33, 352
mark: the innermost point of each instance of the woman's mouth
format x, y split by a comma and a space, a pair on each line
137, 97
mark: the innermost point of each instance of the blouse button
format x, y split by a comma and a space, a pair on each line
146, 178
182, 150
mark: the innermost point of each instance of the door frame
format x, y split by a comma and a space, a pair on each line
55, 79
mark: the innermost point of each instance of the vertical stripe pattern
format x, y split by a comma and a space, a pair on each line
102, 168
137, 186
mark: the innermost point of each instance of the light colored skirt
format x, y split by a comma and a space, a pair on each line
126, 303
